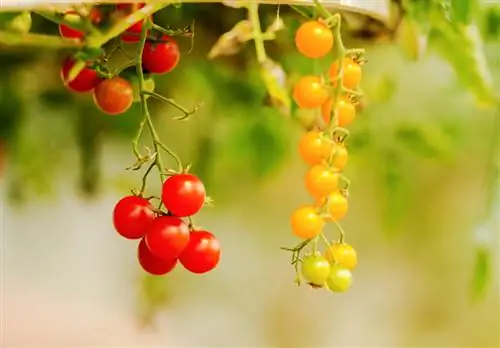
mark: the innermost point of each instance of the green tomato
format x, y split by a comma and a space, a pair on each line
315, 269
339, 279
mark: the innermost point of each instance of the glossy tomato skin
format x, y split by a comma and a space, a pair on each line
114, 96
153, 264
84, 82
161, 57
202, 254
68, 32
183, 194
167, 237
132, 217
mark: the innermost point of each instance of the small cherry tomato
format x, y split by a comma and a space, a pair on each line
339, 279
153, 264
321, 181
314, 39
69, 32
341, 156
315, 269
183, 194
132, 216
313, 148
342, 254
84, 82
114, 96
346, 112
161, 57
352, 73
306, 222
202, 254
167, 237
309, 92
337, 206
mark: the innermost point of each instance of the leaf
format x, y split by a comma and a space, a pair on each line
412, 39
231, 42
274, 78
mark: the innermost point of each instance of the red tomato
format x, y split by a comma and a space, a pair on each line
133, 32
202, 254
153, 264
85, 81
161, 57
132, 217
114, 96
167, 237
183, 194
95, 17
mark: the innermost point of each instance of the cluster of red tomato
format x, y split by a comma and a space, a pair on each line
166, 238
327, 156
115, 94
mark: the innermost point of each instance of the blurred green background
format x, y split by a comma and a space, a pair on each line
422, 165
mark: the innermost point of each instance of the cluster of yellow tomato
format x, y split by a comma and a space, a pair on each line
327, 157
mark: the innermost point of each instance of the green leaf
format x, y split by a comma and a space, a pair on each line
274, 78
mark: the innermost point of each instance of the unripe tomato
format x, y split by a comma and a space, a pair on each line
352, 73
161, 57
339, 279
313, 148
321, 181
306, 222
202, 253
114, 96
314, 39
153, 264
309, 92
183, 194
132, 217
337, 206
342, 254
315, 269
167, 237
84, 82
346, 112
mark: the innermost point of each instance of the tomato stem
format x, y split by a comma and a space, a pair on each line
253, 16
172, 102
37, 40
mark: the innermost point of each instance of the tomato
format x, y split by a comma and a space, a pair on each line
68, 32
337, 206
95, 16
183, 194
315, 269
309, 92
339, 279
321, 181
84, 82
313, 148
306, 222
342, 254
352, 73
167, 237
114, 96
202, 254
132, 216
153, 264
161, 57
346, 112
341, 156
314, 39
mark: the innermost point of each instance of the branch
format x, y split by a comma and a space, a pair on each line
37, 40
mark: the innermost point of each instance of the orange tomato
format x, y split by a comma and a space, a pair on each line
341, 156
342, 254
313, 149
337, 206
352, 73
346, 112
313, 39
306, 222
321, 181
310, 93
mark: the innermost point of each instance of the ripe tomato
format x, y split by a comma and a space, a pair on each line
183, 194
337, 206
342, 254
314, 39
167, 237
310, 93
202, 254
352, 73
306, 222
68, 32
114, 96
132, 216
84, 82
313, 148
341, 156
339, 279
161, 57
153, 264
346, 112
315, 269
321, 181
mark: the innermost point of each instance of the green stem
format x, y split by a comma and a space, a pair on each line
38, 40
59, 19
172, 102
170, 32
253, 14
